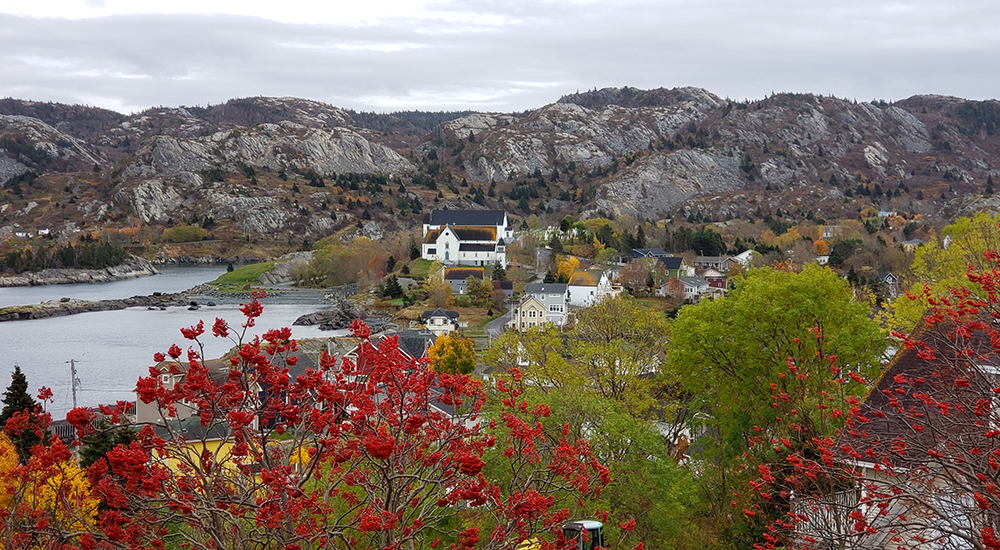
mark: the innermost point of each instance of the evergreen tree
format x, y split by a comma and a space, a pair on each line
499, 273
106, 438
16, 400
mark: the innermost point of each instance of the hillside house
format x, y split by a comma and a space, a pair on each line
714, 278
554, 297
673, 265
458, 277
530, 312
649, 253
466, 237
588, 287
440, 321
720, 263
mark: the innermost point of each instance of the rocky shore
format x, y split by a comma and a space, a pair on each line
133, 268
72, 306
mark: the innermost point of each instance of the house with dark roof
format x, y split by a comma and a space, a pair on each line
466, 237
674, 265
649, 253
440, 321
458, 278
922, 437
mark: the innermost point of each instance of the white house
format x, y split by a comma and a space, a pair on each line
466, 237
589, 287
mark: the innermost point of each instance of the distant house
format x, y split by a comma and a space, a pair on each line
831, 231
530, 312
694, 288
554, 297
466, 237
912, 245
715, 278
507, 287
457, 277
891, 282
440, 321
674, 265
649, 253
721, 263
744, 258
588, 287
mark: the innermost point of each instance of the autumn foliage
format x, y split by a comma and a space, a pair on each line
917, 462
376, 452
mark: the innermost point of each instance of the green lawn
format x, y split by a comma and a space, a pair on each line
235, 280
420, 267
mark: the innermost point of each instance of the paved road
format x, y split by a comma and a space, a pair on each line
495, 327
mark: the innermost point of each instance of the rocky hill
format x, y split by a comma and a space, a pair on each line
288, 170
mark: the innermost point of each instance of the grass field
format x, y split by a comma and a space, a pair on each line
236, 280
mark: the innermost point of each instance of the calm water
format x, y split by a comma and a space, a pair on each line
170, 279
114, 348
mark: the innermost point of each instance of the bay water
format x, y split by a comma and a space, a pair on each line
112, 349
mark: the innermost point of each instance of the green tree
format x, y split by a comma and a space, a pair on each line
541, 355
479, 291
732, 354
17, 400
106, 438
620, 348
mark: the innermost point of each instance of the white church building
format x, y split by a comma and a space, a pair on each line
466, 237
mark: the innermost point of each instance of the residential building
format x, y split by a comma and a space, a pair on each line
721, 263
674, 266
588, 287
912, 245
715, 278
555, 298
744, 258
694, 288
530, 312
458, 277
440, 321
466, 237
507, 287
649, 253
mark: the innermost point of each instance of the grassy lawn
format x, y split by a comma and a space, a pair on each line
419, 267
235, 280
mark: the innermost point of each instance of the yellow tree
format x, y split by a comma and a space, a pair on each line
820, 248
566, 267
942, 268
453, 354
539, 353
45, 502
620, 347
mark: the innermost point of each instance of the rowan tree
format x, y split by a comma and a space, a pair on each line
917, 463
378, 452
45, 501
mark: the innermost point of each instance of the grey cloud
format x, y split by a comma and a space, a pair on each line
509, 55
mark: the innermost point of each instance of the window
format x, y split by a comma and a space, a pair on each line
555, 308
447, 246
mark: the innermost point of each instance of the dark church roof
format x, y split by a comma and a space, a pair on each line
465, 217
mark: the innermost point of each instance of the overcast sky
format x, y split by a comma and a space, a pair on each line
498, 55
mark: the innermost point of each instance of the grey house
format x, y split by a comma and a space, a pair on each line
555, 298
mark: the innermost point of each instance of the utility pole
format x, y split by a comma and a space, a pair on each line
74, 381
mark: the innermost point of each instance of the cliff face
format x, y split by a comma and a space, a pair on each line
298, 170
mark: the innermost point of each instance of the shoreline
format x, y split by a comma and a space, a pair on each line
134, 268
193, 298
